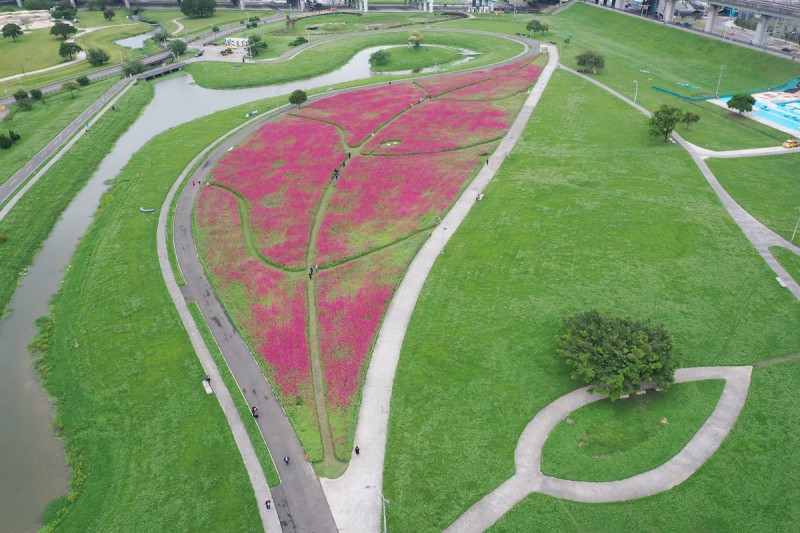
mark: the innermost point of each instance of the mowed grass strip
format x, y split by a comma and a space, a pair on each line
788, 260
330, 56
403, 58
605, 440
766, 187
670, 57
747, 485
33, 50
44, 122
571, 222
155, 450
33, 218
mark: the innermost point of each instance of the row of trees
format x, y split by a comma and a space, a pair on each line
667, 117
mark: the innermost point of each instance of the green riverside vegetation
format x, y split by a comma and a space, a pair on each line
571, 222
46, 120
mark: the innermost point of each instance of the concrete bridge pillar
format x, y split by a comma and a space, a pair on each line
73, 4
241, 4
761, 29
19, 3
619, 4
430, 6
366, 6
669, 10
713, 9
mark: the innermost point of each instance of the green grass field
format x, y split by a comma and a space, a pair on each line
403, 58
165, 17
105, 40
46, 120
34, 50
766, 187
315, 61
571, 222
604, 441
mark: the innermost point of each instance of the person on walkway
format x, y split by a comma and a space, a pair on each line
357, 451
286, 460
254, 410
268, 503
208, 379
316, 268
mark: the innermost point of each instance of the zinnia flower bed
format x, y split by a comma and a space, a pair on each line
442, 84
381, 199
281, 172
513, 83
437, 125
361, 112
273, 313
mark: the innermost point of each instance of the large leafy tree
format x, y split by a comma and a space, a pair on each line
535, 25
198, 8
690, 118
741, 102
177, 47
96, 56
298, 97
63, 30
664, 120
614, 355
378, 58
108, 14
70, 86
64, 10
590, 60
68, 49
415, 40
12, 30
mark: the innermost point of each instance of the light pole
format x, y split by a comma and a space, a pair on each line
120, 58
721, 68
444, 232
795, 227
636, 91
384, 503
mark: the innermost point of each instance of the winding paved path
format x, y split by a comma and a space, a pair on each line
528, 455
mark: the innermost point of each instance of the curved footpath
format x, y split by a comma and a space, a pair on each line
528, 455
355, 498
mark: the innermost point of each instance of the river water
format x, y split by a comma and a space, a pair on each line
32, 464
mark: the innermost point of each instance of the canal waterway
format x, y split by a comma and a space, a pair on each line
32, 464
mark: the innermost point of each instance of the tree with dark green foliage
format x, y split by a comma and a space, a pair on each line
690, 118
37, 94
198, 8
70, 86
133, 67
23, 101
62, 30
614, 355
5, 142
664, 120
83, 81
297, 97
96, 56
37, 5
14, 136
108, 14
379, 58
743, 103
590, 60
68, 50
12, 30
64, 10
177, 47
535, 26
256, 45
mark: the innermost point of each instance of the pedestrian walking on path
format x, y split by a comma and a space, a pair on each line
357, 451
286, 460
268, 504
254, 410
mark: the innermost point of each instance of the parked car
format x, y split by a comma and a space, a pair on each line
199, 53
791, 143
786, 49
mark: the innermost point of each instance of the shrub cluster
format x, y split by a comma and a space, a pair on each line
7, 140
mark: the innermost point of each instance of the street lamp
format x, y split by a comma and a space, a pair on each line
795, 227
721, 68
444, 232
635, 92
384, 503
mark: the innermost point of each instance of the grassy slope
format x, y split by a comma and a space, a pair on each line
404, 59
571, 222
766, 187
672, 57
40, 125
748, 485
318, 61
604, 441
158, 451
193, 25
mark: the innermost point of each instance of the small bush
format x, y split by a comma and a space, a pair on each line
21, 95
2, 238
5, 141
13, 135
83, 81
298, 41
37, 94
215, 28
161, 36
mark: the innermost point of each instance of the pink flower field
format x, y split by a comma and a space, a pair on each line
442, 84
359, 113
513, 83
367, 213
448, 124
369, 226
274, 318
281, 172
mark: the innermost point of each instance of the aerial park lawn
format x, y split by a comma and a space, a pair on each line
573, 222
